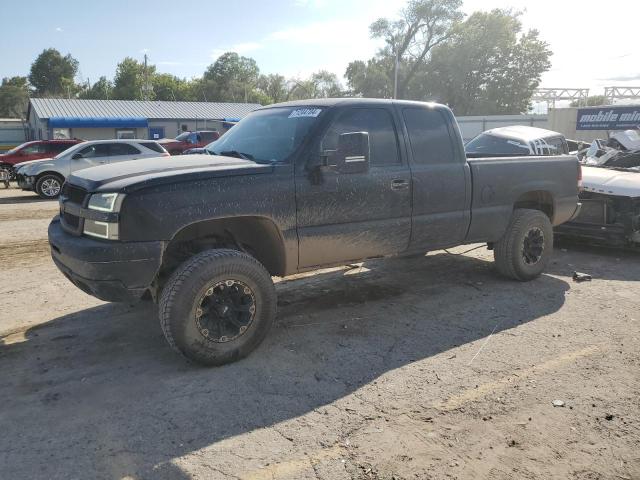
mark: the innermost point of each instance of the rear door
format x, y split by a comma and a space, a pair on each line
349, 216
441, 179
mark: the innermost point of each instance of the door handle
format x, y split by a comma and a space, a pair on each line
399, 184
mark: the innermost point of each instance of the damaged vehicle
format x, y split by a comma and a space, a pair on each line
610, 197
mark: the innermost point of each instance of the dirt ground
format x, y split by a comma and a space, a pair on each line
423, 368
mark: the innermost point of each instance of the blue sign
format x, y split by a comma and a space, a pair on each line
608, 118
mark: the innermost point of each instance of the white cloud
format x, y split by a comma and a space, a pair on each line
59, 29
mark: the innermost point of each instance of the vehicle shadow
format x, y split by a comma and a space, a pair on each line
600, 262
24, 199
99, 391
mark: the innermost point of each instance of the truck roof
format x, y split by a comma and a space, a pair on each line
331, 102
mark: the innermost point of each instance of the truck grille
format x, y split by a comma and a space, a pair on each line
71, 221
74, 194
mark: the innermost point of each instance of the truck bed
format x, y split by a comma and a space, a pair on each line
500, 183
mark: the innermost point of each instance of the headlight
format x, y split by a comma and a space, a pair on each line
106, 202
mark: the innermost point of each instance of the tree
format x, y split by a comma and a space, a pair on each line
592, 101
424, 24
14, 97
129, 82
170, 87
487, 68
274, 87
370, 78
101, 90
232, 78
53, 75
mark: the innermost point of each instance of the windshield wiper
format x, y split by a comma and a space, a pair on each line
235, 153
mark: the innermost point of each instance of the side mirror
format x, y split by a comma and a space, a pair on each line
76, 156
352, 155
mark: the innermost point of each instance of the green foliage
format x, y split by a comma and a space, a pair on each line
129, 82
232, 78
101, 90
487, 68
483, 65
14, 97
53, 75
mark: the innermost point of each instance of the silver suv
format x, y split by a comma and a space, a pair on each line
46, 176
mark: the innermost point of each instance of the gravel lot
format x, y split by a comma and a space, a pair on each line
422, 368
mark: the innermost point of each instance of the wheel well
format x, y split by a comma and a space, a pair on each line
258, 236
537, 200
40, 175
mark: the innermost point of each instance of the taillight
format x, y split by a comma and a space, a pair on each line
579, 177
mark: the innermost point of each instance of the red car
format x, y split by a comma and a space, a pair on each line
35, 150
188, 140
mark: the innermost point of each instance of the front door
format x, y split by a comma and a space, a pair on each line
90, 156
352, 216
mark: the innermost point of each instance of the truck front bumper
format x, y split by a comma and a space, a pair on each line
109, 270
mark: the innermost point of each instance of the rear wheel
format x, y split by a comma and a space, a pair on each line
49, 186
526, 247
217, 306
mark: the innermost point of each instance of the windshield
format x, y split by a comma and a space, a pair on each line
491, 145
267, 136
183, 136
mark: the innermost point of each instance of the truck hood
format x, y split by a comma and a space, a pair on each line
612, 182
136, 174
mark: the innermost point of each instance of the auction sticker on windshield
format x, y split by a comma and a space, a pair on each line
305, 112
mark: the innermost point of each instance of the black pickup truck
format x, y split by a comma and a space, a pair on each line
294, 187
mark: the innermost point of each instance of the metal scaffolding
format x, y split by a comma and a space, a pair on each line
621, 93
551, 95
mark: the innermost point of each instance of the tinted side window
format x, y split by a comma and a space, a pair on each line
94, 151
429, 136
558, 146
156, 147
383, 141
123, 149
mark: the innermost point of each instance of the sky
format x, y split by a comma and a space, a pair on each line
593, 47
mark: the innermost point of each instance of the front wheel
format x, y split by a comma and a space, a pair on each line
217, 306
526, 247
49, 186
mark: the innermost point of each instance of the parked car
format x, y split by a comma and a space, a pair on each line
295, 187
517, 140
188, 140
33, 151
46, 176
196, 151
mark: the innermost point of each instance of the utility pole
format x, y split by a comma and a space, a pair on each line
395, 76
